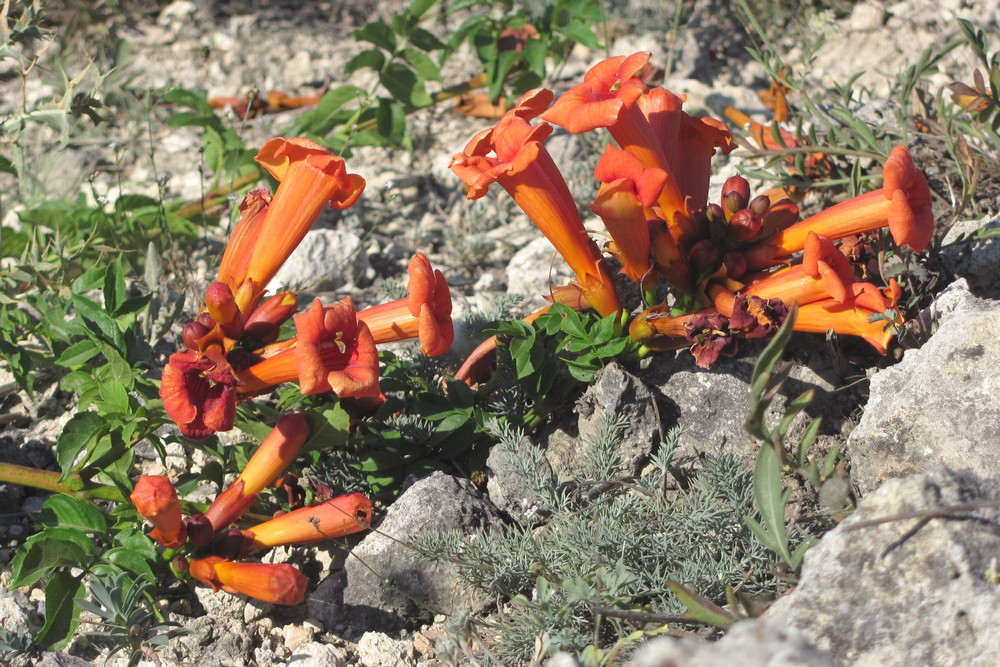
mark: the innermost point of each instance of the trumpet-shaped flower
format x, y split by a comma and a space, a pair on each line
522, 166
425, 313
275, 453
199, 392
310, 178
334, 518
608, 98
903, 204
278, 583
155, 498
871, 314
688, 142
824, 273
626, 193
332, 351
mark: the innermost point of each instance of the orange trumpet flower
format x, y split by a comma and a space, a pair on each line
824, 273
903, 204
275, 453
626, 193
523, 167
199, 392
855, 317
332, 352
310, 177
425, 313
155, 498
271, 582
334, 518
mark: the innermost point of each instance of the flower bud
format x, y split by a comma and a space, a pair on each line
735, 263
264, 324
760, 204
192, 332
735, 194
704, 255
221, 304
744, 225
156, 499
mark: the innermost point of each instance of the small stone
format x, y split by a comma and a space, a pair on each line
295, 635
376, 649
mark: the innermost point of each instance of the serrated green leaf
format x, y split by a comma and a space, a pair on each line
61, 610
378, 34
418, 8
425, 40
115, 397
124, 558
69, 512
328, 428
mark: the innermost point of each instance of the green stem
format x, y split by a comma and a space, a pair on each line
48, 480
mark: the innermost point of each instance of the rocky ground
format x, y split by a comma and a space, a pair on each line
919, 433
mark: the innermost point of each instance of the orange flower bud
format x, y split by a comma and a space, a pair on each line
156, 499
270, 582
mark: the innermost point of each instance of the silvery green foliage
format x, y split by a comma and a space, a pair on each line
612, 541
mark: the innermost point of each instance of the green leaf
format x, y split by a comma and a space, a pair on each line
47, 550
80, 433
422, 64
425, 40
7, 167
125, 558
403, 84
98, 318
187, 98
808, 437
115, 397
378, 34
372, 58
328, 428
700, 608
420, 7
77, 354
69, 512
61, 611
581, 34
770, 499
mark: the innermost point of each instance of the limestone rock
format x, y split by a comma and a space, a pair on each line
940, 406
387, 585
748, 644
907, 591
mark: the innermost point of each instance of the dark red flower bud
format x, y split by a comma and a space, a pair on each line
735, 263
744, 225
760, 204
704, 255
735, 194
199, 529
191, 332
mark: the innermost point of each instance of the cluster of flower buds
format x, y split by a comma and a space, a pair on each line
204, 546
233, 350
734, 266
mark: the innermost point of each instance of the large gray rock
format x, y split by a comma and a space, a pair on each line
940, 406
976, 261
747, 644
905, 591
387, 585
327, 259
614, 392
711, 405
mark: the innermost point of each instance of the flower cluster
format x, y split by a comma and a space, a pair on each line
205, 545
232, 348
734, 266
234, 351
